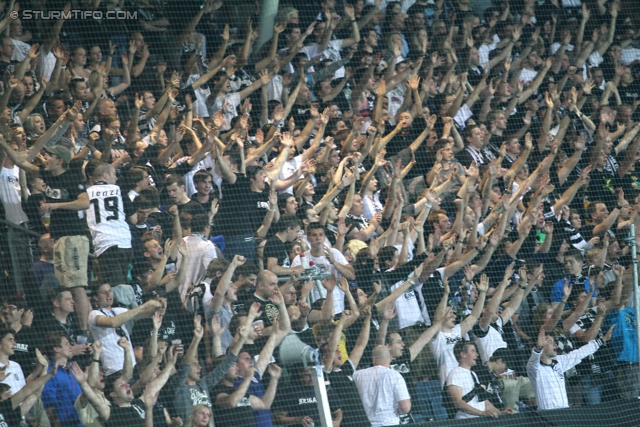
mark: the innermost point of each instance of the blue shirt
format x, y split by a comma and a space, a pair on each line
61, 392
262, 418
557, 291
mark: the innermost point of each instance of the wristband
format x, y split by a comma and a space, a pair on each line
95, 360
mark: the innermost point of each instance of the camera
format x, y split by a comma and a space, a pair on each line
197, 291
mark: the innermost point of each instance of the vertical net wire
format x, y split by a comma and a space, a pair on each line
433, 200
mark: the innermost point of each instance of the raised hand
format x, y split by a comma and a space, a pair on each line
483, 286
198, 330
216, 328
124, 343
275, 371
80, 375
389, 312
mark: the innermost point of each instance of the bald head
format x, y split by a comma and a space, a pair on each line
381, 355
266, 284
105, 172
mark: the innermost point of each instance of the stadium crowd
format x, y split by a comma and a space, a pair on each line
436, 195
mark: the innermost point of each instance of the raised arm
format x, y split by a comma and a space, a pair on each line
471, 319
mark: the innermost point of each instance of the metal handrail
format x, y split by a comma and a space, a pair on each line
17, 227
30, 232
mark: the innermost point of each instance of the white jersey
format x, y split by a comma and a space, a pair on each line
106, 218
548, 380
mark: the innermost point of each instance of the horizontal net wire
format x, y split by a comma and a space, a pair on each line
319, 213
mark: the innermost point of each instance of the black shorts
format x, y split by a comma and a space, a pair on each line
113, 266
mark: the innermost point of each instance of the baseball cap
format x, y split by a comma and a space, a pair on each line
63, 152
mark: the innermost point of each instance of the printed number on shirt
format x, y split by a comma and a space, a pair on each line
108, 210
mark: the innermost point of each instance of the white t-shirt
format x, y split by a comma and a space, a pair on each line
483, 53
46, 64
629, 55
332, 52
528, 75
323, 263
11, 195
289, 168
233, 100
200, 104
490, 342
201, 253
442, 348
396, 98
372, 206
380, 390
464, 378
555, 46
275, 88
15, 378
189, 186
112, 356
21, 50
407, 307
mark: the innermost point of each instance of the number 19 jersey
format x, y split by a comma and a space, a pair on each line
106, 217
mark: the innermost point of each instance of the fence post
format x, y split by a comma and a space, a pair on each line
634, 257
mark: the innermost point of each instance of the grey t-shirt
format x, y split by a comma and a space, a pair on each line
186, 396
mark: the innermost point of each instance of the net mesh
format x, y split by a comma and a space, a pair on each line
293, 212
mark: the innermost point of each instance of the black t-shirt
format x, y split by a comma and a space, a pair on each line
11, 66
118, 148
629, 94
353, 332
601, 187
130, 416
402, 365
192, 207
300, 114
239, 415
341, 383
241, 210
31, 207
269, 310
143, 328
9, 417
62, 188
27, 339
276, 248
602, 360
299, 400
205, 205
50, 323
